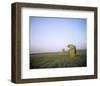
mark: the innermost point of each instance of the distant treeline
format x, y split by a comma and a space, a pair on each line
78, 52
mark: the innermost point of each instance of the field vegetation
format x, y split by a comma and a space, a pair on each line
57, 60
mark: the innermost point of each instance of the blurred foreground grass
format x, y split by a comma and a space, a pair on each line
57, 60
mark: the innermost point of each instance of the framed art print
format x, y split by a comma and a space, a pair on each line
53, 42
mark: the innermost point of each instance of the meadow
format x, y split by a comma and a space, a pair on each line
57, 60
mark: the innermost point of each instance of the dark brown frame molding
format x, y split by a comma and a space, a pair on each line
16, 42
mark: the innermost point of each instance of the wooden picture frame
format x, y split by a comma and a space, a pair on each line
17, 40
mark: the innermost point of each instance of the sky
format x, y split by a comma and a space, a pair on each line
51, 34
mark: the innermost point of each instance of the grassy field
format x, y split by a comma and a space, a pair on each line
57, 60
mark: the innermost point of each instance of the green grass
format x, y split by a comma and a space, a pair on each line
57, 60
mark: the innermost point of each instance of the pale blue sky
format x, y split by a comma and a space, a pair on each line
48, 34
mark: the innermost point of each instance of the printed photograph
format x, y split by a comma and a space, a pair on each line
57, 42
